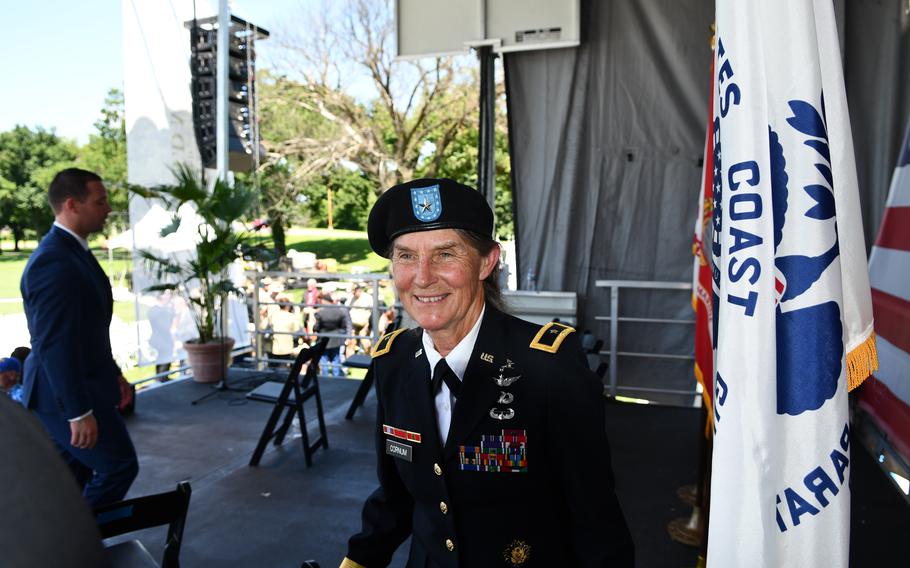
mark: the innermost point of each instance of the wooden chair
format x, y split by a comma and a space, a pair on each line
289, 397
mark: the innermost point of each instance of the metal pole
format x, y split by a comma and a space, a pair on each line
374, 325
256, 334
222, 89
614, 330
486, 163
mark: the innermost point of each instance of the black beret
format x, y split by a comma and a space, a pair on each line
426, 205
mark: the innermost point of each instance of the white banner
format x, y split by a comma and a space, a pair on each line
160, 135
794, 309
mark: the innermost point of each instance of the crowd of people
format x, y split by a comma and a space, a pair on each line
341, 312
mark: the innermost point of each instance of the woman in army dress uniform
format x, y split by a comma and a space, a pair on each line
490, 429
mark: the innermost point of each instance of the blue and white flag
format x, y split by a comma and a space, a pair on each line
793, 308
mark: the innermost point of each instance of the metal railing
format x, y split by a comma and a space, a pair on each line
257, 276
615, 320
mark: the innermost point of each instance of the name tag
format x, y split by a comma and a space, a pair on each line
400, 451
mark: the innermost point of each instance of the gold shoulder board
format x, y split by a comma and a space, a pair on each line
551, 336
384, 345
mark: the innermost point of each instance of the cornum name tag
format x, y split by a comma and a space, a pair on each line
400, 451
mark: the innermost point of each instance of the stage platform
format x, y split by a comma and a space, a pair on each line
281, 513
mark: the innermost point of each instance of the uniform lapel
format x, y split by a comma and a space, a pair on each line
478, 391
418, 389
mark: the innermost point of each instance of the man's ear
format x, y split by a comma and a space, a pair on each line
70, 205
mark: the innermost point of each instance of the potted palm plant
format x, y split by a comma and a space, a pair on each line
201, 277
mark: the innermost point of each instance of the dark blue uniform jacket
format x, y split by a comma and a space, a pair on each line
532, 490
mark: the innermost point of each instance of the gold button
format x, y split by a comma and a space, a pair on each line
443, 507
436, 469
450, 545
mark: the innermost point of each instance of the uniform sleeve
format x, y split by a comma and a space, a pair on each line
578, 441
53, 306
387, 512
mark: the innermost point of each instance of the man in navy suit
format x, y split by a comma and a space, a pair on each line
71, 380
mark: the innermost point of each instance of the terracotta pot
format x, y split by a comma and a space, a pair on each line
209, 361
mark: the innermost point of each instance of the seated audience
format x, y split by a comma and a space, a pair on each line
10, 378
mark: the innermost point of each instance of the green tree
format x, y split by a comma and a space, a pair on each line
353, 194
458, 161
346, 47
105, 154
28, 161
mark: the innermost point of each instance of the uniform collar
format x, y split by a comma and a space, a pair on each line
458, 357
79, 239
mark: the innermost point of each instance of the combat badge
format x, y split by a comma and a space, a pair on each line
517, 553
501, 379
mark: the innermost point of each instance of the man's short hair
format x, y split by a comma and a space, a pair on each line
70, 182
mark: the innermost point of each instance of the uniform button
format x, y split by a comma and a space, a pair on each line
450, 546
436, 469
443, 507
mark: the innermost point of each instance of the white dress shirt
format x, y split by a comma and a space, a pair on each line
82, 241
457, 360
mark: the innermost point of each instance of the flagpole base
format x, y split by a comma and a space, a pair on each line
689, 531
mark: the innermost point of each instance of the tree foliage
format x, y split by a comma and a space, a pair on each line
345, 48
105, 154
30, 158
346, 115
28, 161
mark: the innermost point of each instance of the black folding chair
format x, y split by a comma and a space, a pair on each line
142, 513
290, 396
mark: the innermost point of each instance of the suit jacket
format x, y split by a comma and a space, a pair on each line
68, 306
534, 488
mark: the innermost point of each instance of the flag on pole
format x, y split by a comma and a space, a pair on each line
794, 311
702, 302
888, 399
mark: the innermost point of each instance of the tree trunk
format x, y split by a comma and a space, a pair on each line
17, 236
278, 239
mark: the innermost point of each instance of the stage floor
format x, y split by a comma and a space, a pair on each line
281, 513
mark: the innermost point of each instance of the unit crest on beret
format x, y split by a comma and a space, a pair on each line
551, 336
384, 345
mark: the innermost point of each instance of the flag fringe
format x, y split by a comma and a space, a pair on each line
862, 361
706, 400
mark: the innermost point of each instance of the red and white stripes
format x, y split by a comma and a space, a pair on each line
888, 399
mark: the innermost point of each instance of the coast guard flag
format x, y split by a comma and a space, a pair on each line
793, 310
888, 398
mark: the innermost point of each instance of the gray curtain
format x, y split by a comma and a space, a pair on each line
606, 144
877, 74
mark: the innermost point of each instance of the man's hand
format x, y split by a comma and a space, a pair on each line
84, 433
126, 393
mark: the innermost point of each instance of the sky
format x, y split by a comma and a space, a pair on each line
63, 56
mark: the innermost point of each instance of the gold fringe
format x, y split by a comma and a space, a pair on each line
862, 361
348, 563
706, 400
